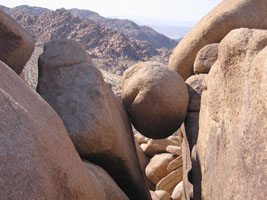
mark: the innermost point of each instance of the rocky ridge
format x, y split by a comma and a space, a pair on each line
112, 50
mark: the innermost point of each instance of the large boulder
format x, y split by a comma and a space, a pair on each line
205, 58
112, 190
232, 139
94, 118
212, 28
38, 159
17, 44
155, 97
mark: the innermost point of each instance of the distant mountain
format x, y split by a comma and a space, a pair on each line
36, 11
127, 27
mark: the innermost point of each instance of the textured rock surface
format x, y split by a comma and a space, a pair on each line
93, 116
195, 87
228, 15
160, 195
232, 138
16, 44
169, 182
155, 97
159, 146
111, 189
205, 58
177, 193
176, 163
38, 159
157, 167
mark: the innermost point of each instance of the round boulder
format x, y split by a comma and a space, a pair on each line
155, 97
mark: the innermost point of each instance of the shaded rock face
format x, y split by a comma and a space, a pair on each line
191, 169
195, 87
112, 190
212, 28
16, 44
232, 138
205, 58
93, 116
155, 97
38, 159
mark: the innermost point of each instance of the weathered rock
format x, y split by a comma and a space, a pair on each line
155, 98
195, 87
94, 117
174, 150
228, 15
191, 165
176, 163
232, 138
169, 182
157, 167
159, 146
205, 58
111, 189
187, 168
141, 139
143, 159
177, 193
38, 159
17, 44
159, 195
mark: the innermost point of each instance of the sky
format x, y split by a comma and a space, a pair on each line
168, 11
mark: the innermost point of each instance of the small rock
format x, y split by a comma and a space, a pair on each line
157, 167
170, 181
205, 58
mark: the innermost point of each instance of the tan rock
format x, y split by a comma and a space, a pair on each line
111, 189
159, 195
143, 159
159, 146
228, 15
232, 140
38, 159
169, 182
190, 160
141, 139
143, 146
94, 118
176, 163
188, 189
155, 98
157, 167
17, 44
177, 193
205, 58
174, 150
195, 86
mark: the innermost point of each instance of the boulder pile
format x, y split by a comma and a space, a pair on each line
202, 135
162, 165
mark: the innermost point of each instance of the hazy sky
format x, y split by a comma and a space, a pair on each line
165, 10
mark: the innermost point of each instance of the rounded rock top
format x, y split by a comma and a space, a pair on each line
155, 98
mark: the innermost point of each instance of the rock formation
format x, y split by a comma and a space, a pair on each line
231, 144
16, 44
92, 115
205, 58
212, 28
155, 97
38, 159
